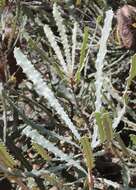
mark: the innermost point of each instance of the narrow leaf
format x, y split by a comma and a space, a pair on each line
100, 127
133, 139
74, 43
87, 151
132, 72
99, 69
78, 2
41, 151
62, 31
51, 38
43, 90
82, 54
39, 139
5, 158
107, 123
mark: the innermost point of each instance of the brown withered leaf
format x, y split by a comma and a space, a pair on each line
126, 19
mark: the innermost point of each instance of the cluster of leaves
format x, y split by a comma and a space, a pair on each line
64, 123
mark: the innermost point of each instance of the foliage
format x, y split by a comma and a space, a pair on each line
67, 97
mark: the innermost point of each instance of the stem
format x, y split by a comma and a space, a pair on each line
4, 117
90, 180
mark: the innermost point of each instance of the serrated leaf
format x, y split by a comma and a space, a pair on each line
53, 179
42, 89
104, 124
42, 141
82, 54
5, 158
87, 151
41, 151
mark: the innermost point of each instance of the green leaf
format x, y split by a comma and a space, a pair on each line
107, 123
53, 180
100, 126
78, 2
99, 19
87, 151
104, 124
5, 158
132, 72
133, 139
2, 3
82, 54
41, 151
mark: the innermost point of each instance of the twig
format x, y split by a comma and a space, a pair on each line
4, 117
